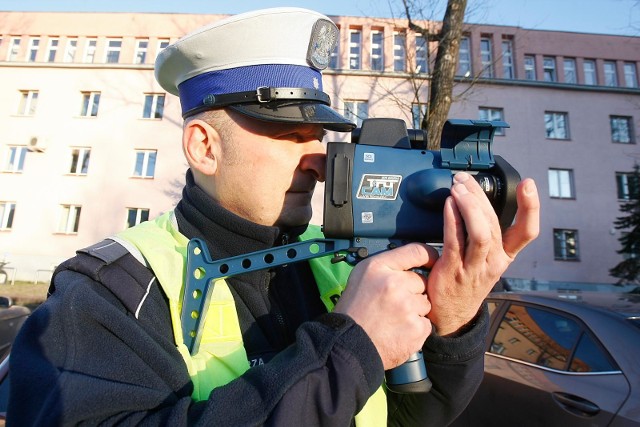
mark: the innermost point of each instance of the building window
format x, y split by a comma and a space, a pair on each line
590, 75
507, 59
145, 166
90, 51
334, 58
464, 57
80, 160
610, 75
7, 212
561, 184
630, 75
70, 50
52, 50
621, 131
140, 55
399, 52
565, 245
28, 102
153, 106
570, 71
14, 159
377, 50
90, 104
162, 44
14, 49
529, 67
113, 51
626, 184
136, 215
356, 111
549, 68
556, 125
486, 57
488, 113
355, 47
69, 219
418, 113
32, 52
422, 55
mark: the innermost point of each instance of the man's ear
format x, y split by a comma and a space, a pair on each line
200, 143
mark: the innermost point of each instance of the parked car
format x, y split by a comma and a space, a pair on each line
560, 359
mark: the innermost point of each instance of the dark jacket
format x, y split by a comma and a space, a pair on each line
82, 356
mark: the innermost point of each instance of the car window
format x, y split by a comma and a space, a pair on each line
589, 357
536, 336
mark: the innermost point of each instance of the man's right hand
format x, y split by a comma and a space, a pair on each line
389, 302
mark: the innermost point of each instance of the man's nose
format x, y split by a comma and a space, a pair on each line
314, 161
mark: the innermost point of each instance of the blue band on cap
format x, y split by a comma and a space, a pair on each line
241, 79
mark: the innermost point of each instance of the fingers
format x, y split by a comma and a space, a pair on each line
527, 223
408, 256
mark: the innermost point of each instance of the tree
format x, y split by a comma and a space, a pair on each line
628, 270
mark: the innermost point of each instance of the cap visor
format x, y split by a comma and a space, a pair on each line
297, 112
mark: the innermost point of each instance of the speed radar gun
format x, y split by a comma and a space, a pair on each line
382, 190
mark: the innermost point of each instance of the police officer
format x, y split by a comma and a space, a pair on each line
108, 345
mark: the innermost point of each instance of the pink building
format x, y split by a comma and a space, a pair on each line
90, 143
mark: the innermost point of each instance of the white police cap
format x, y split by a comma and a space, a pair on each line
265, 64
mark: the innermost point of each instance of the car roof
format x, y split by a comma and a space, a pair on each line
625, 304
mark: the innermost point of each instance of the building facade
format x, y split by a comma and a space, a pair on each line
90, 143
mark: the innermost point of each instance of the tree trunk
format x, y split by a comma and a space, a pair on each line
444, 71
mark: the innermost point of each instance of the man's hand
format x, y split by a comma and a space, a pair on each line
475, 252
389, 303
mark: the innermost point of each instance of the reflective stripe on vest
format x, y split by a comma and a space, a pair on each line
222, 357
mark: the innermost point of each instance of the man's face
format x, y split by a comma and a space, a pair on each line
268, 171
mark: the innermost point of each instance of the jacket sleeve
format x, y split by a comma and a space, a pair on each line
455, 367
82, 358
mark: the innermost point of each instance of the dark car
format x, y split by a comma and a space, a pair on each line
560, 359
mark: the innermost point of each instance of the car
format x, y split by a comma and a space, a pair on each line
12, 317
560, 358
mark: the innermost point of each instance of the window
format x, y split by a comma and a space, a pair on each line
399, 52
565, 245
69, 219
626, 184
113, 51
32, 52
14, 49
90, 103
418, 112
14, 158
52, 49
80, 160
28, 102
145, 166
529, 67
610, 74
422, 55
486, 57
334, 58
355, 43
377, 50
464, 57
549, 69
140, 55
589, 69
561, 184
590, 357
90, 51
7, 212
162, 44
570, 71
136, 215
153, 106
488, 113
507, 59
630, 75
356, 111
70, 50
621, 130
556, 125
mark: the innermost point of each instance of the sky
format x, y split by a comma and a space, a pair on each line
620, 17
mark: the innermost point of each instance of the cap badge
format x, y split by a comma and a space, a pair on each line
324, 37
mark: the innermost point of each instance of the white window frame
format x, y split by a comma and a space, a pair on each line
355, 49
556, 125
621, 129
90, 48
14, 48
90, 104
28, 102
32, 51
486, 57
79, 163
422, 54
52, 49
561, 183
570, 75
7, 214
492, 113
623, 183
508, 69
464, 57
630, 75
69, 219
610, 73
112, 50
356, 110
530, 67
399, 51
549, 69
377, 50
70, 50
15, 158
139, 212
154, 99
590, 72
147, 167
140, 54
